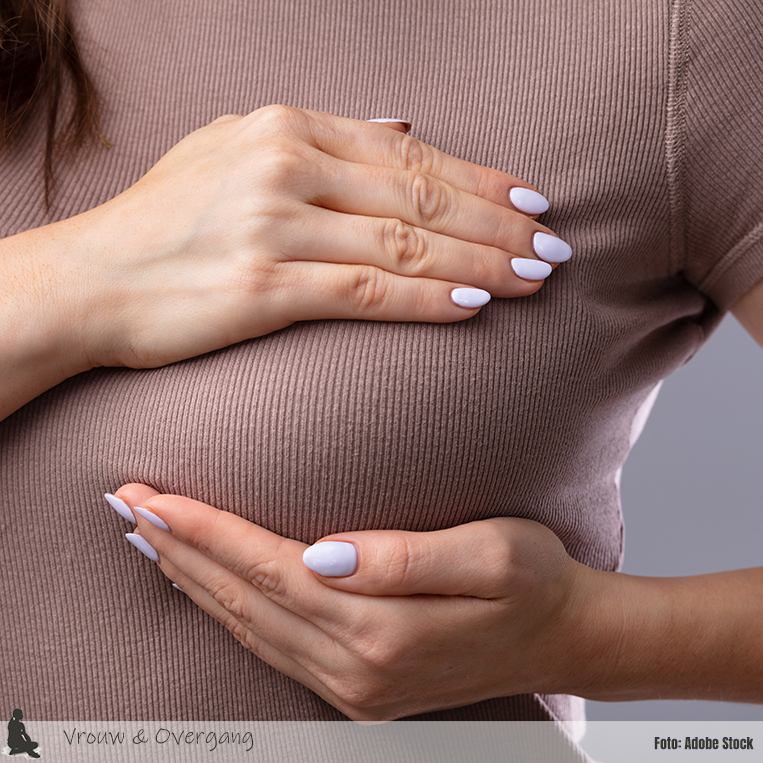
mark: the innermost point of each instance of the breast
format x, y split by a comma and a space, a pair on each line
330, 426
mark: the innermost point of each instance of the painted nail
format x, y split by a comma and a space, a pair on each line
530, 202
385, 119
175, 585
143, 546
332, 559
151, 517
120, 507
532, 270
551, 248
470, 297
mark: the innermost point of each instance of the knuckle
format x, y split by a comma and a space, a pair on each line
230, 596
428, 198
254, 278
508, 233
266, 576
380, 659
279, 118
415, 155
360, 695
404, 246
371, 686
398, 554
368, 289
483, 183
238, 630
379, 650
501, 559
280, 164
490, 184
244, 636
486, 267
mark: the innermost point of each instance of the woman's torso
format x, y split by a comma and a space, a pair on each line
525, 410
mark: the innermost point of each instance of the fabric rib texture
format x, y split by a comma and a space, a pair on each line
639, 122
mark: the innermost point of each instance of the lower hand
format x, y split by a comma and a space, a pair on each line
425, 621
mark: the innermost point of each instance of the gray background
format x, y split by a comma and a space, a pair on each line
692, 490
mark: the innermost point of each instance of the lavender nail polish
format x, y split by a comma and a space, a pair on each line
331, 558
143, 546
470, 297
532, 270
527, 201
120, 507
551, 248
149, 516
382, 120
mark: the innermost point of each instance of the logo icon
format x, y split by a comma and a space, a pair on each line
19, 742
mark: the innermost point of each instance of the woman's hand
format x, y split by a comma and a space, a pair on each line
252, 223
427, 621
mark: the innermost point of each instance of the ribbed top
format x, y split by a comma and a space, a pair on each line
635, 120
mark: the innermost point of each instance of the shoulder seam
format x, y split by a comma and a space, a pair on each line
675, 130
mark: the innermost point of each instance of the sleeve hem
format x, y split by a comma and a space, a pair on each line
746, 260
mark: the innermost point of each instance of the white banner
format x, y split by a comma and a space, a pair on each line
398, 742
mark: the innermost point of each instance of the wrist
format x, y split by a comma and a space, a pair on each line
48, 303
582, 646
87, 296
594, 645
633, 638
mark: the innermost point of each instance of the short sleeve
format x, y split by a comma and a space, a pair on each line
721, 169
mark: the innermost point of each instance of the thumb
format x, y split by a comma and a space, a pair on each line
401, 125
467, 560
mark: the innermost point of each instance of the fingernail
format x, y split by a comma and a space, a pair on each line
332, 559
143, 546
175, 585
470, 297
120, 507
151, 517
551, 248
532, 270
385, 119
530, 202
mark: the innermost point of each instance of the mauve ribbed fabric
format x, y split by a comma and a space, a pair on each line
641, 122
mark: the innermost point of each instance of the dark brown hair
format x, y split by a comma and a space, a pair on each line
37, 51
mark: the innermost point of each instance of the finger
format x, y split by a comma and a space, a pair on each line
475, 559
249, 637
364, 143
249, 604
427, 202
269, 562
316, 676
321, 291
394, 246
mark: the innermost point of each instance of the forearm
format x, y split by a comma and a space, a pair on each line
45, 309
698, 637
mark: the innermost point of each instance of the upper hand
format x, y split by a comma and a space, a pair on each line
252, 223
427, 621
